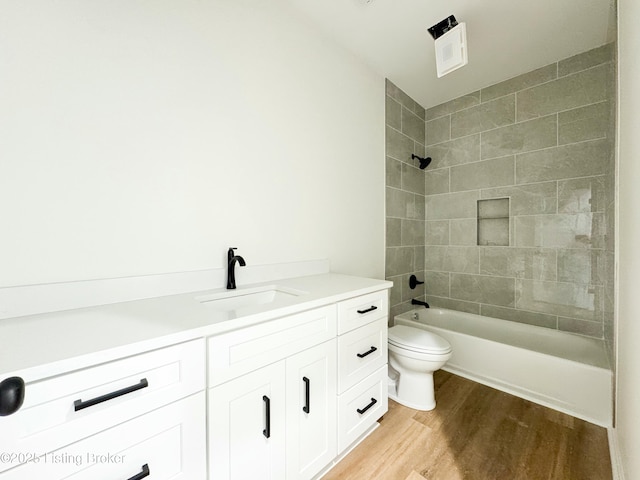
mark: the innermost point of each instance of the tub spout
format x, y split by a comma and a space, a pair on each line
419, 302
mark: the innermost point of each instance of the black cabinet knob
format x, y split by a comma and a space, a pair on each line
11, 395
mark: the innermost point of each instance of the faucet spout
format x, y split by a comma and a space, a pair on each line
232, 259
419, 302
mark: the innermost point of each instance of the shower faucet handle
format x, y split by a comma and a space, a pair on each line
414, 282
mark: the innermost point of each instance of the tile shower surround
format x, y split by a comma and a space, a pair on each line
545, 141
405, 200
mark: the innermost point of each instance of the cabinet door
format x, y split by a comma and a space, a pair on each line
247, 426
311, 410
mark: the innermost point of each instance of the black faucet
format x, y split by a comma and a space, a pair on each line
419, 302
231, 266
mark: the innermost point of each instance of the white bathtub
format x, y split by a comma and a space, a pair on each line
566, 372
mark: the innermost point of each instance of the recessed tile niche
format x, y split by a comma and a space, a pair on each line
493, 222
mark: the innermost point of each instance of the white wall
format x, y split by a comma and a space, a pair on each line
147, 136
627, 431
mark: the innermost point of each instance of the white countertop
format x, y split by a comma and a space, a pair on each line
38, 346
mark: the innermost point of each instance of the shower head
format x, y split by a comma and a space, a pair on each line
424, 162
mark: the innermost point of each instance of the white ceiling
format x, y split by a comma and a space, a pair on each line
505, 37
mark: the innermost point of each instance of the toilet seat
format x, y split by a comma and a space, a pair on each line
417, 340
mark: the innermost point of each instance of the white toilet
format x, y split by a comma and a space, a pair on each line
414, 354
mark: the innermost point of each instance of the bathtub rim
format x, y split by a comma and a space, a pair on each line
602, 362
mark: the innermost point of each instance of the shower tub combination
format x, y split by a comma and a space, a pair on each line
559, 370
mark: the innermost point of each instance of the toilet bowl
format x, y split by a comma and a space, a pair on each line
414, 354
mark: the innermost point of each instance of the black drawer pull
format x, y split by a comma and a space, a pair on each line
371, 404
307, 390
144, 473
11, 395
267, 416
368, 352
370, 309
79, 404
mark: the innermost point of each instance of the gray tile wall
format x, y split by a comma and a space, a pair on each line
405, 205
545, 140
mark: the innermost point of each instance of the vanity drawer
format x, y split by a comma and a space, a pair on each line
361, 352
169, 443
61, 410
241, 351
358, 311
360, 407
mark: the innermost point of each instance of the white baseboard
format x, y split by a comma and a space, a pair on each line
616, 460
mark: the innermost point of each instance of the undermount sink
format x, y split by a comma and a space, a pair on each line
249, 297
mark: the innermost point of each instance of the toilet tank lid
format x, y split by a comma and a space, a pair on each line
417, 339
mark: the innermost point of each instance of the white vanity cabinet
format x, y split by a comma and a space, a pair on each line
319, 392
147, 409
169, 388
277, 421
362, 365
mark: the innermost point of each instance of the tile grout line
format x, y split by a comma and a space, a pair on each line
521, 122
557, 77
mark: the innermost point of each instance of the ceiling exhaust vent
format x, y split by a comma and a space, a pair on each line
451, 45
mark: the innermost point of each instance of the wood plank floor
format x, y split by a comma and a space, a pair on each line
478, 433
